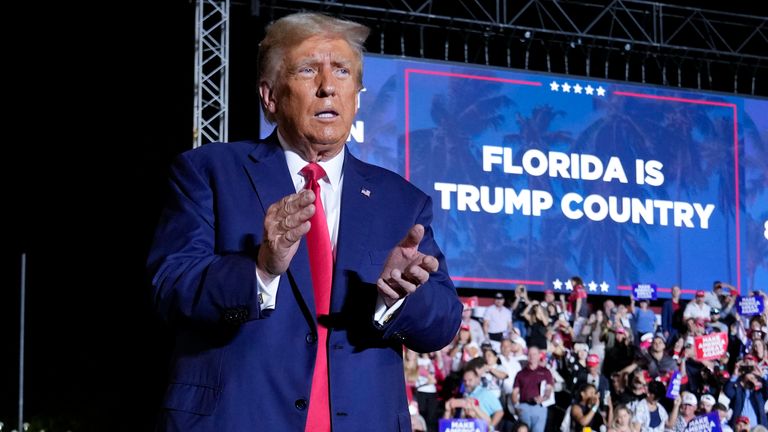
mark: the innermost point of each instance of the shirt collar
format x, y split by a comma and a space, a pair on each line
332, 167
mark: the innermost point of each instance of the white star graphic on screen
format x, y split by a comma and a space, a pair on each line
600, 91
577, 88
568, 285
554, 86
566, 88
604, 287
589, 89
592, 286
557, 284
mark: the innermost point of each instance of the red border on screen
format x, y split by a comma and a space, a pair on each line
733, 106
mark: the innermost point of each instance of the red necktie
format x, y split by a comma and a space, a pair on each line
321, 266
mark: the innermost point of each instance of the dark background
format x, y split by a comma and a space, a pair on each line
100, 100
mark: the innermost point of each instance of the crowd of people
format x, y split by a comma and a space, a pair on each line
573, 363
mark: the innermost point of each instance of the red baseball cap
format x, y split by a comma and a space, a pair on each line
593, 360
743, 419
699, 293
465, 327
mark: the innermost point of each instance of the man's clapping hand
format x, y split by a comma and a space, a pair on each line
406, 269
285, 223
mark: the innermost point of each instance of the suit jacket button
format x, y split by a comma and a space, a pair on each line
301, 404
311, 338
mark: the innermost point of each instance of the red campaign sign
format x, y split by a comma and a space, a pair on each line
711, 346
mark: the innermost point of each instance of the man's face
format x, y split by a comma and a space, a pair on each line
723, 414
549, 297
471, 380
688, 409
315, 97
675, 291
616, 380
466, 314
506, 346
533, 357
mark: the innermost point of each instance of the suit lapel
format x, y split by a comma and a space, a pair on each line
354, 223
271, 180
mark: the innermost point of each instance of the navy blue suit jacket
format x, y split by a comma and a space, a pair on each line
738, 396
235, 369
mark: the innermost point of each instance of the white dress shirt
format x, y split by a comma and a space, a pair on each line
330, 195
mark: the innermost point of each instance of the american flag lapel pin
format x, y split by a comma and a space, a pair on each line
365, 192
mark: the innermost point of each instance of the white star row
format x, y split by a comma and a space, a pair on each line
557, 284
576, 89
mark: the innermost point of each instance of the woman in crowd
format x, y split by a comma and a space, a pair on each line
493, 373
623, 420
463, 349
586, 411
411, 368
622, 353
649, 412
538, 321
759, 352
593, 332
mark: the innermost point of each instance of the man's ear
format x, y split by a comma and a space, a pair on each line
267, 94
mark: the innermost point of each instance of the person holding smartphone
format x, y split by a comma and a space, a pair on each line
748, 392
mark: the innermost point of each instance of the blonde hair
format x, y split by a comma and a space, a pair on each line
411, 366
615, 423
291, 30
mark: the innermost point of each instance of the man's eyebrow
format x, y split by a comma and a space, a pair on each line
344, 61
305, 61
316, 60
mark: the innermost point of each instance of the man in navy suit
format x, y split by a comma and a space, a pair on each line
233, 272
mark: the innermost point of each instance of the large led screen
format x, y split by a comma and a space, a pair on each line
538, 177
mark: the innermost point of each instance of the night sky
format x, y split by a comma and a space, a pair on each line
100, 101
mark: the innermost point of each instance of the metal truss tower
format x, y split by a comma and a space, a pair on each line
673, 45
211, 71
